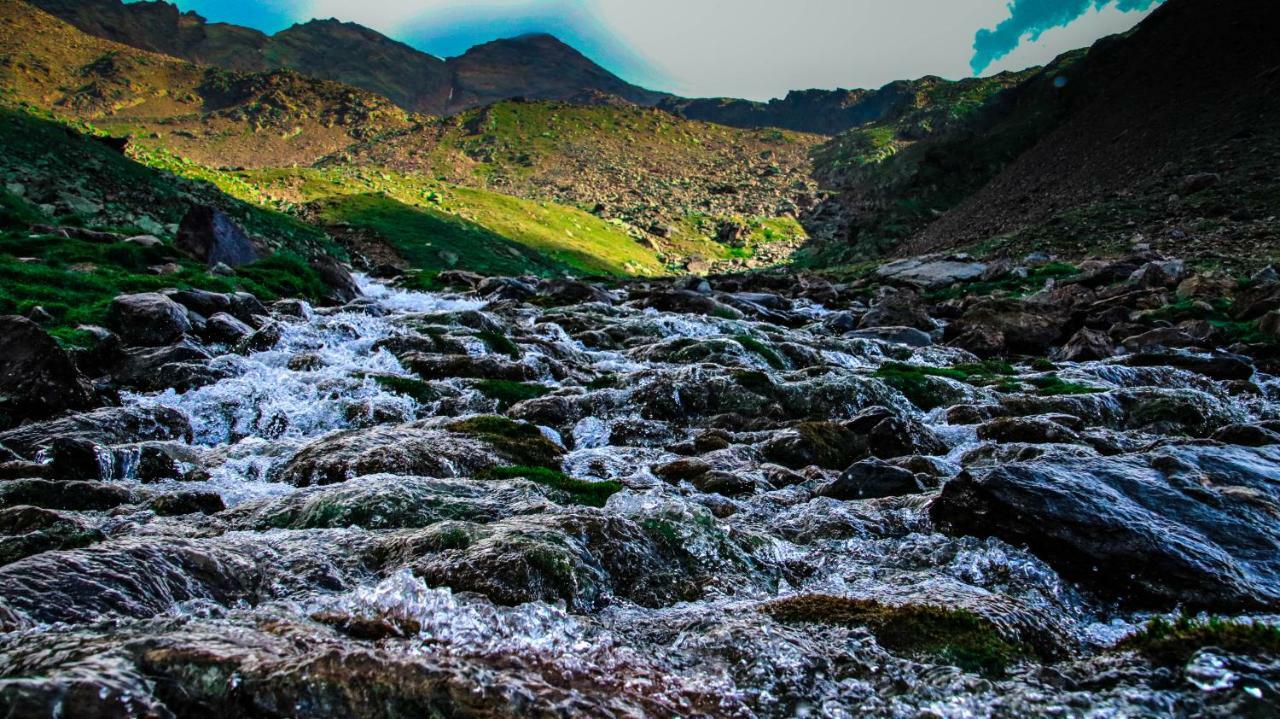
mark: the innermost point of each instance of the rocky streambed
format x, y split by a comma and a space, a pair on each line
771, 496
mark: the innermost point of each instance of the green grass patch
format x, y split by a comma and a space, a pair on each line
1173, 643
583, 492
415, 389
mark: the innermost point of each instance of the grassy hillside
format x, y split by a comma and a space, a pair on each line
892, 177
52, 175
219, 117
673, 181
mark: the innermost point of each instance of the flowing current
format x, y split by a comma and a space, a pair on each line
658, 601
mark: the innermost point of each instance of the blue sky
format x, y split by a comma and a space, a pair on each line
737, 48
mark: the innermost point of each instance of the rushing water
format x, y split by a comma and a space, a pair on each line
715, 654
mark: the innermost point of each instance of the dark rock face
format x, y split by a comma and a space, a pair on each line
995, 327
1187, 524
342, 286
37, 377
872, 479
211, 236
106, 426
148, 319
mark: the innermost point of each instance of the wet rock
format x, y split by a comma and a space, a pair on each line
142, 368
395, 502
899, 436
148, 319
73, 458
1192, 525
26, 530
1219, 367
225, 329
824, 444
431, 367
146, 576
872, 479
75, 496
1159, 274
106, 427
264, 339
688, 302
422, 448
38, 379
728, 484
188, 501
908, 336
584, 558
1027, 430
1162, 338
1247, 435
681, 470
505, 288
211, 236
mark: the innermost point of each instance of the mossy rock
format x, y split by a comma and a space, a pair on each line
1174, 643
508, 393
522, 442
574, 491
957, 636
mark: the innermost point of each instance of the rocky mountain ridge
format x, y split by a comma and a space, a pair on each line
534, 66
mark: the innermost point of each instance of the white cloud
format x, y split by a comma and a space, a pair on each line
756, 48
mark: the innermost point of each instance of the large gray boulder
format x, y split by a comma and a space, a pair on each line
211, 236
148, 319
1191, 525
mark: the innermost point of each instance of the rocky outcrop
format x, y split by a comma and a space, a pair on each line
1190, 525
38, 378
211, 236
148, 319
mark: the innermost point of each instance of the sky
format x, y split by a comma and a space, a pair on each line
756, 49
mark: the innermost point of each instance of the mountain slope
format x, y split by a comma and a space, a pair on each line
673, 180
534, 67
1194, 91
217, 116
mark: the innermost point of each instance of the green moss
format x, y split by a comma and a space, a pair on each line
521, 443
919, 384
508, 393
589, 494
416, 389
767, 353
956, 636
500, 343
1173, 643
1051, 385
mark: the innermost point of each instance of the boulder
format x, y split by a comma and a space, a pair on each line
896, 436
148, 319
342, 286
932, 272
872, 479
225, 329
830, 445
211, 236
898, 308
38, 379
998, 327
423, 449
1191, 525
908, 336
1087, 345
107, 426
